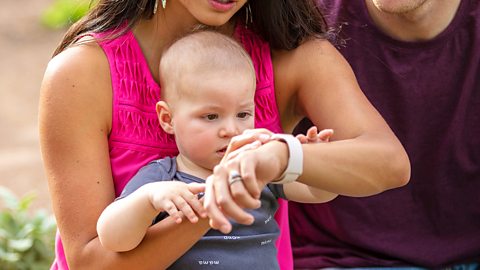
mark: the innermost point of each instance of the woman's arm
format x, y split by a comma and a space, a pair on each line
299, 192
75, 119
364, 157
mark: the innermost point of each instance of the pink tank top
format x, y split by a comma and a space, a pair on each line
136, 137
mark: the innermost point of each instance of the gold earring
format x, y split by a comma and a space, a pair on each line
164, 3
155, 7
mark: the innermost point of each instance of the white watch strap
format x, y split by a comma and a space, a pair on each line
295, 159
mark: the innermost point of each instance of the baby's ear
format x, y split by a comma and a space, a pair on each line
165, 117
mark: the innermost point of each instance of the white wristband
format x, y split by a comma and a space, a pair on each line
295, 159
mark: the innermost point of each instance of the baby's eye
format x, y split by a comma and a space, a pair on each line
243, 115
211, 117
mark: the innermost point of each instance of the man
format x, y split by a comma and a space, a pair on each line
418, 62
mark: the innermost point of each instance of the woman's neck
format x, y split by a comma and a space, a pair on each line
420, 24
156, 34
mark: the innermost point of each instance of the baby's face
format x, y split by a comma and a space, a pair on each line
211, 108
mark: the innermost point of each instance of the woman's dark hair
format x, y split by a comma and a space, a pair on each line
284, 24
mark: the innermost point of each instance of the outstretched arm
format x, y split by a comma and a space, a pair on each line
363, 158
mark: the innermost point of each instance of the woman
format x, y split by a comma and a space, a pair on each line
97, 114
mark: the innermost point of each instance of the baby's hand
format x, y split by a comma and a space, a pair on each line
178, 199
313, 137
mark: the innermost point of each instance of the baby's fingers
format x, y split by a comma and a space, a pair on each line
196, 188
194, 201
302, 138
250, 146
185, 208
172, 211
315, 136
325, 135
312, 134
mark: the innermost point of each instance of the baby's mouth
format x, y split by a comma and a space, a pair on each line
222, 151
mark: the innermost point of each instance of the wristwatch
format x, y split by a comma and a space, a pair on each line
295, 159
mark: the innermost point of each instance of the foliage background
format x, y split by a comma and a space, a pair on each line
26, 238
26, 46
29, 32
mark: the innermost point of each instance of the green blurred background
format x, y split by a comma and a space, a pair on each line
29, 32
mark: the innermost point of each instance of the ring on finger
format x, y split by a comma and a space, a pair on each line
234, 177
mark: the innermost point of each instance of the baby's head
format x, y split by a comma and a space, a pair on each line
208, 88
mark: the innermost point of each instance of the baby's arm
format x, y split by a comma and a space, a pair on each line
123, 224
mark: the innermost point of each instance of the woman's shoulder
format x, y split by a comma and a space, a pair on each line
313, 57
311, 69
310, 50
79, 59
81, 65
77, 79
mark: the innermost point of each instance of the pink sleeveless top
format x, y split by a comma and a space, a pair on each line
136, 137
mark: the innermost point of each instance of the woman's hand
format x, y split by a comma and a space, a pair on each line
250, 139
237, 181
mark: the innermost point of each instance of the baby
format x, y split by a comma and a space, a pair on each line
208, 88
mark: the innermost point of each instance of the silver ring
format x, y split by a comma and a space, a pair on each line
234, 177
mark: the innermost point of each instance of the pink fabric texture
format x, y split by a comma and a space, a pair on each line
136, 137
